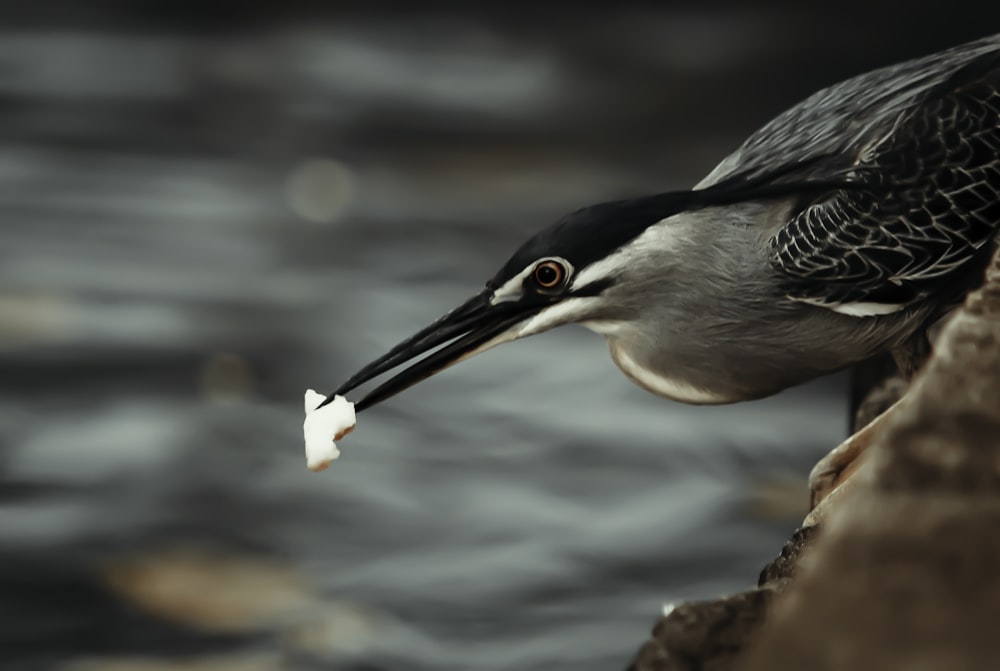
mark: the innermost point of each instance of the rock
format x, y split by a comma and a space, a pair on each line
703, 635
708, 635
783, 568
905, 571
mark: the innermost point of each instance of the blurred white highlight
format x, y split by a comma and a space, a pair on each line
320, 190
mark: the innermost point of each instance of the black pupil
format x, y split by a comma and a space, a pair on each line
547, 275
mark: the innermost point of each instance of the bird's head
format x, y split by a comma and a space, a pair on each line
564, 274
598, 264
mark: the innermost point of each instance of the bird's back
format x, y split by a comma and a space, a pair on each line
839, 120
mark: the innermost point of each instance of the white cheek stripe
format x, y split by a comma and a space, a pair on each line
512, 288
552, 316
662, 235
499, 339
544, 320
568, 310
606, 267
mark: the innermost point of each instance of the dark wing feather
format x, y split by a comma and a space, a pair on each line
925, 199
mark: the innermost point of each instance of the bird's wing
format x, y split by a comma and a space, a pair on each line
835, 121
924, 198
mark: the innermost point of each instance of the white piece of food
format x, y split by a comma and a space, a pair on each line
324, 426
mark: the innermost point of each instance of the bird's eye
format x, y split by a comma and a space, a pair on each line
550, 274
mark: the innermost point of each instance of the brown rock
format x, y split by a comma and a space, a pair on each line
905, 572
703, 635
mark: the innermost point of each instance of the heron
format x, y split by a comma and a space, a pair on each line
839, 231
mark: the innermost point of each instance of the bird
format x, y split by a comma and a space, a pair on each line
840, 230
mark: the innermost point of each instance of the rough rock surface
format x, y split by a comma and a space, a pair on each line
905, 572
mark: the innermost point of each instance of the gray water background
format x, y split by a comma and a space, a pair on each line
203, 213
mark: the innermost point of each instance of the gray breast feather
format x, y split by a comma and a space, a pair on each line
925, 193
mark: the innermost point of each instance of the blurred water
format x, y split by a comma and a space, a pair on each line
201, 219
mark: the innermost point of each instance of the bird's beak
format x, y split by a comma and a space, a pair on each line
471, 328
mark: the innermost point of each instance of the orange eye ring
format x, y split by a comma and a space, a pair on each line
549, 274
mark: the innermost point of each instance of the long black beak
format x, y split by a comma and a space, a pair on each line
464, 329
